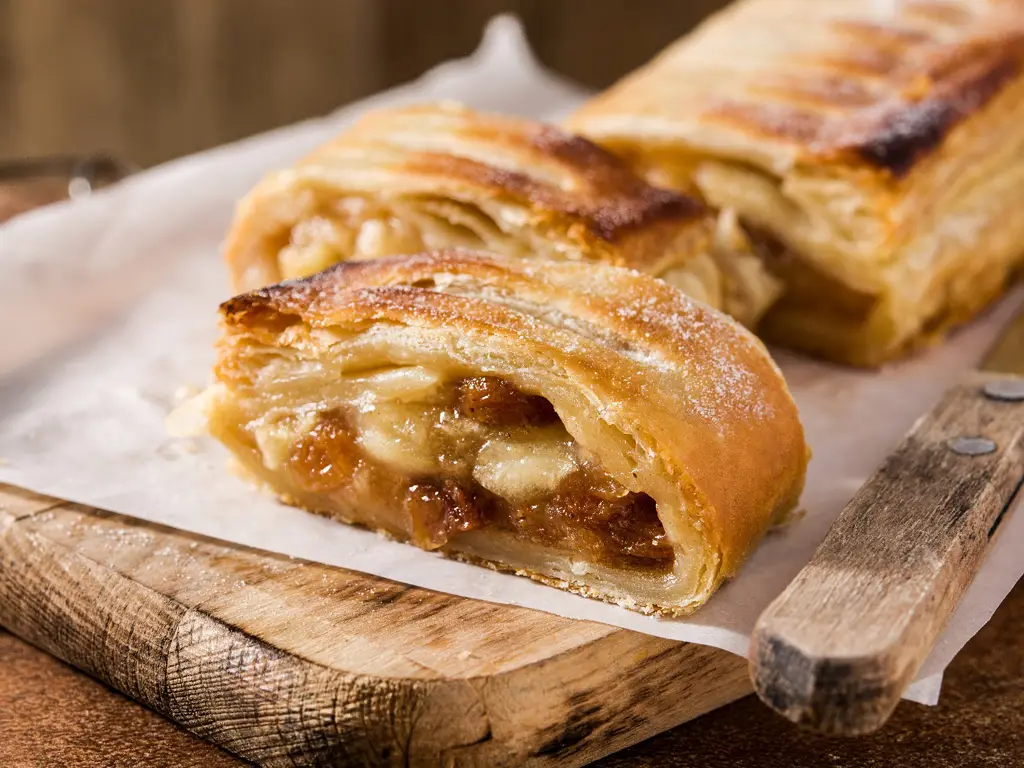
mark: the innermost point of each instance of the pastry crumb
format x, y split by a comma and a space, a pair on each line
579, 568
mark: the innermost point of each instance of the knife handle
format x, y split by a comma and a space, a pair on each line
838, 647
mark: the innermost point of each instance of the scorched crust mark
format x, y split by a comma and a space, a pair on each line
911, 131
907, 136
906, 130
631, 202
618, 204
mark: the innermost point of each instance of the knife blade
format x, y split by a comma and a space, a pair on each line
836, 650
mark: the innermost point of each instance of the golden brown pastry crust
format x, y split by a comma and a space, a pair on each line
678, 401
851, 133
447, 176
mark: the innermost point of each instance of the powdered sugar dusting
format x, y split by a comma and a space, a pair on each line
682, 355
716, 355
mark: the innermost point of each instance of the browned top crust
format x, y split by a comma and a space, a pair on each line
696, 394
538, 165
448, 172
873, 84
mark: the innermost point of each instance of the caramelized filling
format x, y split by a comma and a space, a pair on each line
498, 457
326, 457
494, 402
357, 229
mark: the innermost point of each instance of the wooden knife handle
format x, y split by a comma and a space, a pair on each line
838, 647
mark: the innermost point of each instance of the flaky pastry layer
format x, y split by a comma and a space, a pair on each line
875, 150
585, 425
442, 176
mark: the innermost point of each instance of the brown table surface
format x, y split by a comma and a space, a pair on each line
52, 715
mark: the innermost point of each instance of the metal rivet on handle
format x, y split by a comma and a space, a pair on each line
1008, 390
972, 446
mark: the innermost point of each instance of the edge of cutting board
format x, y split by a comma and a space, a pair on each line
287, 662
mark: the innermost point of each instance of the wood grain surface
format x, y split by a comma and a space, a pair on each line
53, 715
838, 647
287, 663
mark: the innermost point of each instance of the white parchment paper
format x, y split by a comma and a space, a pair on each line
108, 306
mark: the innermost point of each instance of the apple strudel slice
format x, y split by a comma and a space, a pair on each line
442, 176
585, 425
875, 150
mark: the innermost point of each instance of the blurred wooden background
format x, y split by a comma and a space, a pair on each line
153, 79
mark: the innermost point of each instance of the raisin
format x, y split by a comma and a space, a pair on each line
496, 403
463, 510
424, 506
623, 530
436, 512
325, 458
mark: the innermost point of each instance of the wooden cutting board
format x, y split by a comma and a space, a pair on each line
286, 662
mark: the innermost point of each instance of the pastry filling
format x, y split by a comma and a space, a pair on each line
357, 229
729, 276
459, 455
